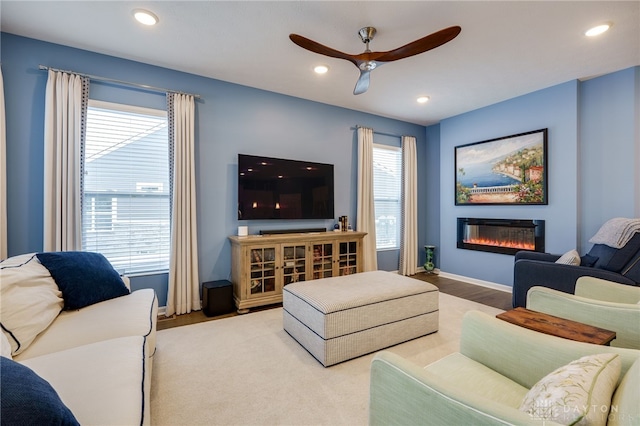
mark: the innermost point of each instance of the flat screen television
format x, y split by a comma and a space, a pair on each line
275, 188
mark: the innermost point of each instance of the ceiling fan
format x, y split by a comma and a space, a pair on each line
368, 60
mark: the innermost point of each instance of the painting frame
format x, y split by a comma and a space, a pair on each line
509, 170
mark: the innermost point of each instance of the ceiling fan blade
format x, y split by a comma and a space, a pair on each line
363, 83
419, 46
316, 47
368, 60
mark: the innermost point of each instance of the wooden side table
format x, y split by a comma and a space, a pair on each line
556, 326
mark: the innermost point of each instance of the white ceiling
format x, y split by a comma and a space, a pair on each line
506, 49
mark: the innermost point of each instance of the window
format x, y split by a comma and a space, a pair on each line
125, 193
387, 187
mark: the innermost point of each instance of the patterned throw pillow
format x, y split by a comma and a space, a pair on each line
572, 257
5, 346
29, 300
578, 393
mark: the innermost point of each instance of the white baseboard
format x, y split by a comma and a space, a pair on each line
419, 269
489, 284
481, 283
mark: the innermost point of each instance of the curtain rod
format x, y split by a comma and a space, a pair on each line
120, 82
379, 133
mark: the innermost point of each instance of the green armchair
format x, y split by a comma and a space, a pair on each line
486, 381
596, 302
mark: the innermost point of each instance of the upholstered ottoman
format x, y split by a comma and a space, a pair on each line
341, 318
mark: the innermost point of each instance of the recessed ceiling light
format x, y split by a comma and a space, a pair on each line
145, 17
423, 99
321, 69
597, 30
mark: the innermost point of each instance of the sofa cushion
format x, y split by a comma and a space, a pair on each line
28, 399
570, 258
624, 404
104, 383
29, 299
465, 373
632, 270
132, 315
624, 255
84, 278
604, 253
580, 391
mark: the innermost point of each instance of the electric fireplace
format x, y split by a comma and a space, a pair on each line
504, 236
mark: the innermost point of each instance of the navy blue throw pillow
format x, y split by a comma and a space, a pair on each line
84, 278
28, 399
588, 260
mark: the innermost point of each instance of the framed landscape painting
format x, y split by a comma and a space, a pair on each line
507, 170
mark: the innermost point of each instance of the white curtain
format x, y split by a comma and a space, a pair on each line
365, 218
65, 112
184, 287
409, 223
3, 176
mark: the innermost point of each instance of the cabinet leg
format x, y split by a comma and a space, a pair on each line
243, 311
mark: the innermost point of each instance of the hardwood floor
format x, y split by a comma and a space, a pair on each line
199, 316
486, 296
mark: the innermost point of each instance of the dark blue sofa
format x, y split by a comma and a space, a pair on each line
533, 268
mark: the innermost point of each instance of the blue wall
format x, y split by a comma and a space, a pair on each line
230, 119
593, 162
609, 151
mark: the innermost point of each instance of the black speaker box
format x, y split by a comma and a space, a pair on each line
290, 231
217, 298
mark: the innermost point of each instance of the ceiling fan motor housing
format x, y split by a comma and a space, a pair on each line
367, 34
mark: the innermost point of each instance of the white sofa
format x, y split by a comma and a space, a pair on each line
98, 359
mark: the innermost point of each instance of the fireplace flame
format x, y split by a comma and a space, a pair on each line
501, 243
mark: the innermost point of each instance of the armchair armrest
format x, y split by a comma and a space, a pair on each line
534, 255
402, 393
528, 273
599, 289
506, 347
623, 318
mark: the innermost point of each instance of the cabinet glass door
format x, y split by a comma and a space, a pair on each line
347, 259
322, 260
294, 268
263, 270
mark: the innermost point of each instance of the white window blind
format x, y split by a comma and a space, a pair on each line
126, 192
387, 186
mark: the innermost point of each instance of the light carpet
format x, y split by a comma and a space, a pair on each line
246, 370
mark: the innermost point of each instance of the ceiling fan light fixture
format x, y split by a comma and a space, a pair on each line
145, 17
597, 30
321, 69
368, 65
423, 99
